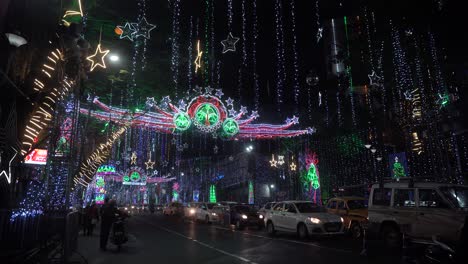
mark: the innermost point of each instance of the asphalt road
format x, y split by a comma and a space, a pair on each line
161, 239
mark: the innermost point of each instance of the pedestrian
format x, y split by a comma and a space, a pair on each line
107, 219
86, 220
93, 216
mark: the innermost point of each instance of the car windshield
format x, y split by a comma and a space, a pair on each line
243, 209
457, 195
210, 206
309, 208
356, 204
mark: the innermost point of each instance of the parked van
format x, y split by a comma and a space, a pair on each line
418, 210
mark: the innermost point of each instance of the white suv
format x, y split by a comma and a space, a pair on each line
304, 218
418, 210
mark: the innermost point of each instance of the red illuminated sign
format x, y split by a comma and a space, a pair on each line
37, 156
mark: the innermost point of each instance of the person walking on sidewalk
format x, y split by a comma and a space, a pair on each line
93, 218
107, 219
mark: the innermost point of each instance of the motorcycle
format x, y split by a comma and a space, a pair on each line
119, 234
439, 252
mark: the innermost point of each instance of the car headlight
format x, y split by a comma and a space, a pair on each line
342, 220
133, 207
314, 220
192, 211
244, 216
126, 208
213, 214
260, 216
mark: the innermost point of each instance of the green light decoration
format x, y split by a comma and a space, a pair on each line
312, 177
443, 100
398, 169
135, 176
251, 193
212, 194
104, 169
182, 121
99, 182
230, 127
175, 196
207, 115
126, 178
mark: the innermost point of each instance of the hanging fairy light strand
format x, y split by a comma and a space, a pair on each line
295, 61
254, 55
280, 67
244, 53
175, 45
190, 57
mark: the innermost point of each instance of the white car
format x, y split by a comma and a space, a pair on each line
303, 218
265, 209
205, 212
190, 210
173, 208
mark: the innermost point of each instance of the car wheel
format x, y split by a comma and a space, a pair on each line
271, 228
356, 230
391, 237
302, 231
207, 219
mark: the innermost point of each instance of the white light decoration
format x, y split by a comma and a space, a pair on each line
4, 173
273, 162
199, 57
97, 59
133, 158
128, 31
114, 58
149, 164
280, 160
293, 166
367, 146
143, 28
374, 79
15, 40
229, 44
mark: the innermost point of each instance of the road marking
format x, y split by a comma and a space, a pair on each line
288, 240
201, 243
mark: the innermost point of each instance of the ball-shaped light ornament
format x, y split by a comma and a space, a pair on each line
207, 118
182, 121
230, 127
312, 78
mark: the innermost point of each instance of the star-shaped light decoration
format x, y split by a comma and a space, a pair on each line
229, 44
165, 163
182, 104
319, 34
219, 93
311, 130
293, 166
280, 160
295, 120
231, 158
133, 158
165, 101
150, 102
408, 95
173, 141
186, 145
97, 59
199, 57
374, 79
232, 112
90, 98
243, 109
127, 31
273, 162
215, 149
198, 89
180, 148
208, 90
149, 164
143, 28
229, 101
254, 114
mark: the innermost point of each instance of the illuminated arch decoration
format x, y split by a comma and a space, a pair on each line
106, 170
312, 177
208, 113
134, 176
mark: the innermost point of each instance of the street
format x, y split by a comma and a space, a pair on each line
170, 240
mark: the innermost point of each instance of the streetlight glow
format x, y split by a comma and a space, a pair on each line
114, 58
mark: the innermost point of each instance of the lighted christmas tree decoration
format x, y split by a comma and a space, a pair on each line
229, 44
311, 178
398, 165
251, 193
398, 170
212, 193
97, 59
32, 204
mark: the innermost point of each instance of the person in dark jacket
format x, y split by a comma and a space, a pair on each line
108, 217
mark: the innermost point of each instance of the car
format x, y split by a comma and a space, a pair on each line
174, 208
266, 208
303, 218
416, 210
244, 215
190, 210
204, 212
353, 210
